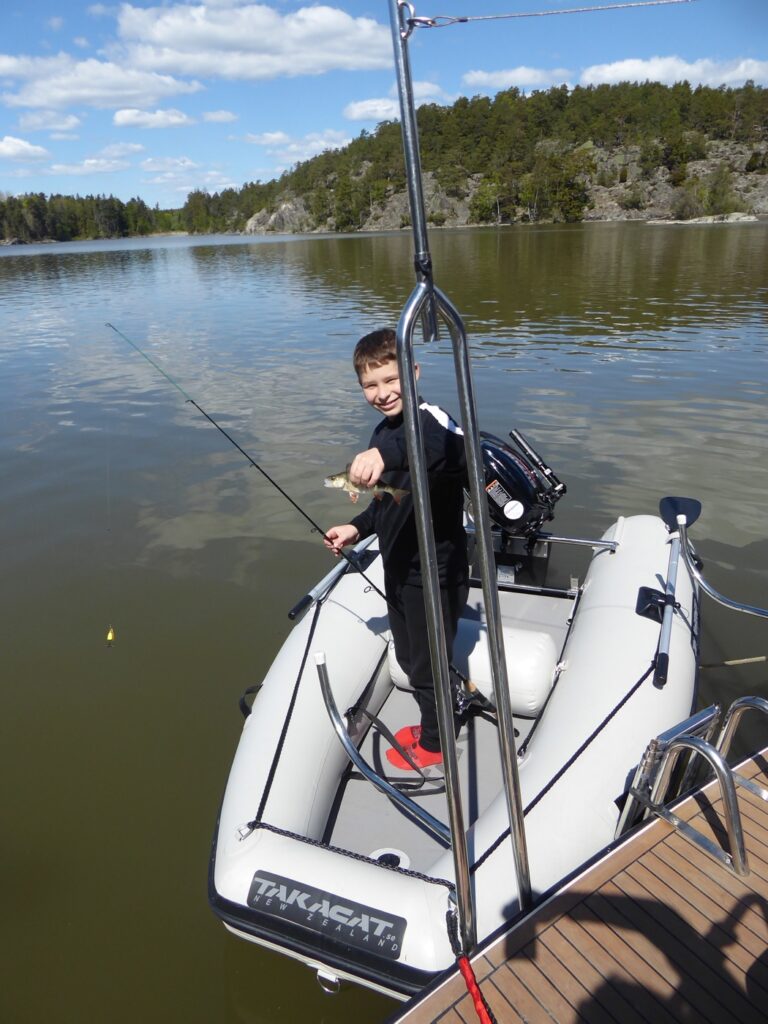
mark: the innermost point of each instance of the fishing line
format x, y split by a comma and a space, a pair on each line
318, 529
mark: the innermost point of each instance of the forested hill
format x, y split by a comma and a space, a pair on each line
628, 150
543, 156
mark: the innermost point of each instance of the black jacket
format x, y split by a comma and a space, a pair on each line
396, 524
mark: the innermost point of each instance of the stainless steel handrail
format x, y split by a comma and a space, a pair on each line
330, 578
701, 724
410, 806
737, 860
425, 299
686, 552
734, 715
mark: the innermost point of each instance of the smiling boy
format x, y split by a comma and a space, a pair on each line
386, 460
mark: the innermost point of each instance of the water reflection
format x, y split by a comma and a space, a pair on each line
633, 357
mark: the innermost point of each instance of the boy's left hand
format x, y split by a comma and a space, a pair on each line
366, 468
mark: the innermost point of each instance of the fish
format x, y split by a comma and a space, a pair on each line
342, 481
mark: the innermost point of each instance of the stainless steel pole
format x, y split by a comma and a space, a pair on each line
424, 296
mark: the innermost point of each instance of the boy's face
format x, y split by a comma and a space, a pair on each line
381, 387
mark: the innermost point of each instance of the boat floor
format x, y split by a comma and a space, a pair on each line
367, 821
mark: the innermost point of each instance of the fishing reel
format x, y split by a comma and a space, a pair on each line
522, 490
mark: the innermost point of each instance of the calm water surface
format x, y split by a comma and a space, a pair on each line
634, 357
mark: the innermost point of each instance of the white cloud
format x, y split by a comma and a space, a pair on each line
289, 150
674, 69
170, 164
269, 139
219, 116
423, 91
521, 77
55, 24
60, 81
252, 41
119, 149
92, 165
132, 118
388, 108
81, 41
48, 121
12, 148
383, 109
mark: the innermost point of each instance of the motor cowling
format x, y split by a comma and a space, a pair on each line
520, 496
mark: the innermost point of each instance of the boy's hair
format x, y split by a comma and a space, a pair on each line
375, 349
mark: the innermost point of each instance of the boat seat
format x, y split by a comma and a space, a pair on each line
531, 658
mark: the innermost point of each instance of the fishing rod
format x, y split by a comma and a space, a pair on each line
317, 529
349, 559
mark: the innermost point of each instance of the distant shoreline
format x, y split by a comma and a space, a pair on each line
730, 218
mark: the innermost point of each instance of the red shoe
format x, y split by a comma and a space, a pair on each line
408, 735
421, 758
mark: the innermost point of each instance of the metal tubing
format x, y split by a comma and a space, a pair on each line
330, 578
487, 564
737, 606
662, 655
733, 717
399, 12
603, 545
427, 299
727, 789
435, 632
427, 820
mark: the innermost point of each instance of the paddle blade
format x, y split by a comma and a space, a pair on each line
671, 508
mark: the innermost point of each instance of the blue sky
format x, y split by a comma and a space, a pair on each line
153, 99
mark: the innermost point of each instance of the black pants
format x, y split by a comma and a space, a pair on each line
408, 622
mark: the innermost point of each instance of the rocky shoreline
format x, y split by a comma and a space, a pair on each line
617, 188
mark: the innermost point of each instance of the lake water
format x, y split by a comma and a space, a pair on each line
635, 358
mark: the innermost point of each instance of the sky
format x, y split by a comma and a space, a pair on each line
155, 99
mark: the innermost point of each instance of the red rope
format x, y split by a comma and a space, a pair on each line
482, 1009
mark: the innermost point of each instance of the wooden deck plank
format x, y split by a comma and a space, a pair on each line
685, 926
718, 911
654, 988
527, 973
566, 983
656, 932
527, 1002
603, 962
604, 996
739, 910
614, 907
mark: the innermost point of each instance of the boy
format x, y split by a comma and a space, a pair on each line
375, 362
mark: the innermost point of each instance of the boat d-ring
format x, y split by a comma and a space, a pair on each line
328, 982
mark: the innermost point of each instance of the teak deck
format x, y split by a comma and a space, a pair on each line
656, 931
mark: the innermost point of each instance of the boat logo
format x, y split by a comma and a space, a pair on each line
353, 923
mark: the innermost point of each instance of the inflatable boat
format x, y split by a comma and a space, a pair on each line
356, 880
322, 850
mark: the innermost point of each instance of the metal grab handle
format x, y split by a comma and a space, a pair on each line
686, 552
330, 578
427, 820
736, 861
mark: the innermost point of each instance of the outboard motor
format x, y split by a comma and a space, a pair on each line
522, 490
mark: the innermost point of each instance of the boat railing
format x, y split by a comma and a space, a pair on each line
416, 810
702, 725
653, 782
329, 580
425, 304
